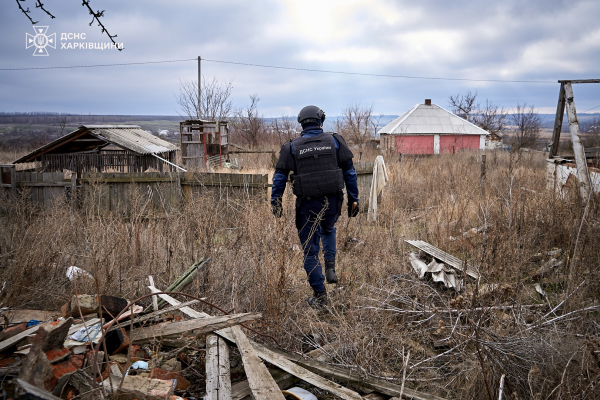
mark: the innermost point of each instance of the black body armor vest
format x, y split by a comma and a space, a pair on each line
316, 171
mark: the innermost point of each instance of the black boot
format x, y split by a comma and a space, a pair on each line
330, 271
318, 301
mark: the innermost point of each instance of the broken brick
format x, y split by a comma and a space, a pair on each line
83, 304
182, 383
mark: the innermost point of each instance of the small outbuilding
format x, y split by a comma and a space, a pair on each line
430, 129
104, 148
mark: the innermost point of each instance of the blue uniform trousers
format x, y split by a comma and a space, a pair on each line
312, 231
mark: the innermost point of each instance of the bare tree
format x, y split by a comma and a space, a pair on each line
356, 124
248, 124
62, 123
526, 126
491, 118
463, 106
285, 128
215, 103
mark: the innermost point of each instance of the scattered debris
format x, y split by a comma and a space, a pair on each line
155, 355
438, 272
447, 259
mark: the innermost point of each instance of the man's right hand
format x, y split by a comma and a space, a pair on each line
352, 209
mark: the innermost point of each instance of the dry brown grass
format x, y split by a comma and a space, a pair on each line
380, 310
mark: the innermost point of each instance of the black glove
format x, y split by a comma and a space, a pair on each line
277, 210
353, 209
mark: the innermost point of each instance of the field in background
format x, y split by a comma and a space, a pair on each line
380, 311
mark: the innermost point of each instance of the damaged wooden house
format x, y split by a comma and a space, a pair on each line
104, 148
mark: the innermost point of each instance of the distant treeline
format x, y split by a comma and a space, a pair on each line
41, 118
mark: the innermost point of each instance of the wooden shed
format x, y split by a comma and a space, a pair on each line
204, 142
104, 148
429, 129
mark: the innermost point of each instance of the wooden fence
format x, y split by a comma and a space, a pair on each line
122, 192
156, 191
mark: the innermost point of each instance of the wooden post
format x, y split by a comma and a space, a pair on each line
218, 379
580, 160
13, 181
73, 189
558, 120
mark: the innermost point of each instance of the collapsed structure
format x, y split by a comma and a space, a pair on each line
104, 148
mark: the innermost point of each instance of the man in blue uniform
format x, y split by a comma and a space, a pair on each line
322, 164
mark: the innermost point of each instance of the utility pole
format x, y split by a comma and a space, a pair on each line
199, 87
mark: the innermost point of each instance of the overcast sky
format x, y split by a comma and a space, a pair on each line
539, 40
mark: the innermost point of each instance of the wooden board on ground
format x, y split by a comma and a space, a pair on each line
347, 375
218, 377
261, 382
241, 390
195, 327
446, 258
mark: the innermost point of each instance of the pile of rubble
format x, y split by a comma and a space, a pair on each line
103, 346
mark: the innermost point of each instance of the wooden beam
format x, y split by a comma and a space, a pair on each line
347, 375
279, 362
195, 326
218, 378
580, 160
579, 81
261, 382
558, 121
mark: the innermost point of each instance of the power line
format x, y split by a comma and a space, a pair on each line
377, 75
97, 65
591, 108
285, 68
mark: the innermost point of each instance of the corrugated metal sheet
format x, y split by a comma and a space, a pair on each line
430, 119
131, 137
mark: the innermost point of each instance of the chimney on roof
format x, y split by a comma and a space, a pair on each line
427, 102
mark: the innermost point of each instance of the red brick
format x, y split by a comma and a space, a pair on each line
158, 373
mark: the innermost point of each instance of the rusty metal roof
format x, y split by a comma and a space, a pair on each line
424, 119
95, 137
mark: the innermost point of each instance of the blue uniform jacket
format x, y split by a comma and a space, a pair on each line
315, 205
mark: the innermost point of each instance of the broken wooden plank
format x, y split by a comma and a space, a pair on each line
280, 362
314, 379
218, 379
456, 263
140, 320
261, 382
241, 390
347, 375
195, 326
